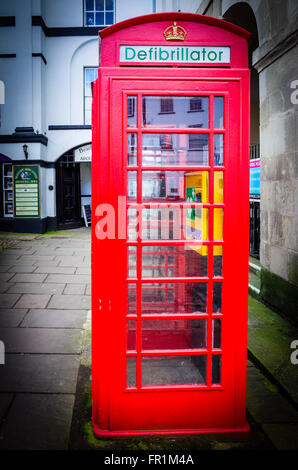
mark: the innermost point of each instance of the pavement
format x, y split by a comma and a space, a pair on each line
44, 320
45, 299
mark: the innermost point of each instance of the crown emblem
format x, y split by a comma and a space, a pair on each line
175, 33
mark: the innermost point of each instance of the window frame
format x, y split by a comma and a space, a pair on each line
94, 12
86, 96
164, 106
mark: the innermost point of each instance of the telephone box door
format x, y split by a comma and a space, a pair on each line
174, 341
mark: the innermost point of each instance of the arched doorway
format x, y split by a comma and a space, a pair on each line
241, 14
68, 195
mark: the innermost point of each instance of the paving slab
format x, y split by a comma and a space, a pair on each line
4, 287
36, 288
74, 289
32, 301
9, 300
50, 318
4, 268
5, 400
55, 269
283, 436
46, 252
83, 270
12, 317
38, 422
41, 340
70, 260
62, 251
22, 268
69, 278
70, 302
8, 259
264, 401
88, 289
83, 252
40, 262
4, 277
33, 258
39, 373
18, 251
28, 277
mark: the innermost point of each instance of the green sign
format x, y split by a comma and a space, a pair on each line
26, 191
175, 54
190, 197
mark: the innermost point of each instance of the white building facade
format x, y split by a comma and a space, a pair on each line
49, 55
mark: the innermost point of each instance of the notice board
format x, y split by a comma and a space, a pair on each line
26, 191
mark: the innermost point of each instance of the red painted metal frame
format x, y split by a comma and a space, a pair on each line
175, 409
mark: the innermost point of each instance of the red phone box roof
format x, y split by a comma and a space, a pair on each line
174, 39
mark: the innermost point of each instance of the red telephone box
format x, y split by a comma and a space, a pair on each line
170, 207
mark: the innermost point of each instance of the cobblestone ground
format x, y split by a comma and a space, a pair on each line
45, 299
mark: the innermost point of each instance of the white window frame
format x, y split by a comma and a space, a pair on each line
94, 11
87, 121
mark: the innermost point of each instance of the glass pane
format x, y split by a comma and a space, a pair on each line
162, 224
89, 19
218, 224
109, 4
100, 18
109, 17
132, 261
216, 369
131, 380
175, 223
217, 260
174, 261
218, 112
131, 111
131, 149
174, 370
131, 186
174, 334
218, 149
197, 224
175, 149
100, 5
131, 335
87, 116
132, 224
131, 298
218, 186
173, 186
89, 5
174, 298
217, 297
176, 111
216, 333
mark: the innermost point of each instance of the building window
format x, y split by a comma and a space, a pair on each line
195, 105
131, 106
99, 12
7, 190
166, 142
166, 105
195, 142
90, 74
